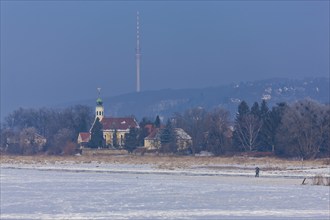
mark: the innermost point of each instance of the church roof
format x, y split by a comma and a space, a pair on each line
119, 123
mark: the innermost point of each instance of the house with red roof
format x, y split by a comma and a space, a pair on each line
84, 138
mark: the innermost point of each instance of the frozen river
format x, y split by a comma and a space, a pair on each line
54, 194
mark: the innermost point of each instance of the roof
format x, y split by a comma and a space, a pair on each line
119, 123
179, 132
85, 136
99, 101
149, 127
154, 135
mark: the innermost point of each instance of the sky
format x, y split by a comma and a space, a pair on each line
54, 52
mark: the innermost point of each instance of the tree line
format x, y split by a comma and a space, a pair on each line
59, 127
300, 129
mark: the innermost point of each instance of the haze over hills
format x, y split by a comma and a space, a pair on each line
168, 101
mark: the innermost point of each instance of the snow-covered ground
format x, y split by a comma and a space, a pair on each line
266, 170
126, 191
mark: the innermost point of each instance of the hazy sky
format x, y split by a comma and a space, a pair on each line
57, 51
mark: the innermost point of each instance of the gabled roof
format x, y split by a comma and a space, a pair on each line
154, 135
149, 127
119, 123
179, 132
85, 136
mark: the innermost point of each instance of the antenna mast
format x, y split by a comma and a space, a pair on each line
138, 52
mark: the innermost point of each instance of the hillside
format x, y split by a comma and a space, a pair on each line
168, 101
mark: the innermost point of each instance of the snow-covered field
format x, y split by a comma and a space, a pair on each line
127, 191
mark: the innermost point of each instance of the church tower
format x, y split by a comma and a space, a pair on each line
99, 109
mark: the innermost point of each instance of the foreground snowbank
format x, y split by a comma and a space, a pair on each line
67, 190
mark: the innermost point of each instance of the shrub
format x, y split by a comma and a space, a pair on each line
318, 180
70, 148
327, 181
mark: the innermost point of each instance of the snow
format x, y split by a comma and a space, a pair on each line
126, 191
266, 97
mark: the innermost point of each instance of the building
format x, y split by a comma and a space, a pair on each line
111, 127
84, 138
183, 140
153, 140
118, 126
28, 141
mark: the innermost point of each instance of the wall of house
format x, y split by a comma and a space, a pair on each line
152, 144
79, 139
183, 144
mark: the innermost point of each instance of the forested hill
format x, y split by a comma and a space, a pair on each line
168, 101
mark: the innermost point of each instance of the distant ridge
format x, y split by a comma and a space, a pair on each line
165, 102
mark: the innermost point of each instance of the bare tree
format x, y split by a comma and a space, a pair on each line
61, 142
48, 121
28, 142
9, 141
217, 137
303, 129
247, 130
325, 131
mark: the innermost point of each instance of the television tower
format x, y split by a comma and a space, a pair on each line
138, 52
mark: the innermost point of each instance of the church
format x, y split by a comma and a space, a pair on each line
110, 126
115, 126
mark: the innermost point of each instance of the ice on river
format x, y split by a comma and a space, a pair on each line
101, 194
